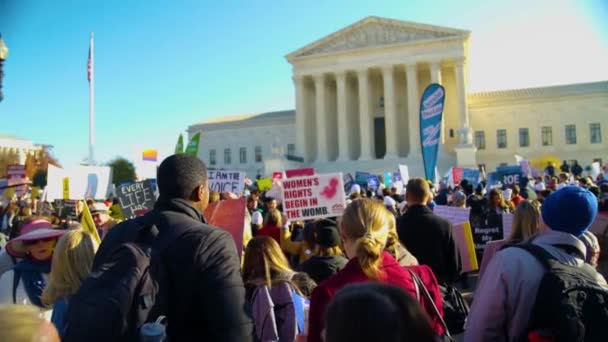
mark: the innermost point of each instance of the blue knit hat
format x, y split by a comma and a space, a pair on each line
571, 209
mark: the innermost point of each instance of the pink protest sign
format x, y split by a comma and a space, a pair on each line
311, 197
230, 216
308, 171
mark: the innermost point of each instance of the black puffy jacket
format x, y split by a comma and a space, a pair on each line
207, 295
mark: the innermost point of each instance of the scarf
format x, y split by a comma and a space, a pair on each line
31, 271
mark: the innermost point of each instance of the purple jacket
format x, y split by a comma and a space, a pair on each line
505, 295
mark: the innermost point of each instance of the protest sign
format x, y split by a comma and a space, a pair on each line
264, 184
16, 177
277, 176
229, 215
405, 173
457, 175
466, 248
361, 178
349, 181
482, 234
595, 170
66, 188
525, 168
431, 111
373, 182
66, 209
192, 148
510, 175
226, 181
455, 215
308, 171
472, 176
136, 198
313, 197
85, 182
507, 223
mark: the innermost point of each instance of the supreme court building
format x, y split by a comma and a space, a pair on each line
357, 95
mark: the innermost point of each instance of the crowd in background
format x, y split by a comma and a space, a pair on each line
388, 269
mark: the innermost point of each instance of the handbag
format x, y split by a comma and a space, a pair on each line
420, 287
455, 308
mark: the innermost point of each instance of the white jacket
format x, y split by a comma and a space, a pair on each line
6, 292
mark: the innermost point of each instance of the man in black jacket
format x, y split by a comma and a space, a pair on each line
206, 293
427, 236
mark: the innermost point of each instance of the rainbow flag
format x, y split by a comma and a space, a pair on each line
150, 155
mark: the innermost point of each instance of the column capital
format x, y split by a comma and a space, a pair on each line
297, 78
362, 71
318, 77
340, 74
387, 68
460, 62
435, 65
411, 67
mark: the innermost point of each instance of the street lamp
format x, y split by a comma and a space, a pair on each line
3, 57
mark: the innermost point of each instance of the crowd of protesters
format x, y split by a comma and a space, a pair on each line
387, 269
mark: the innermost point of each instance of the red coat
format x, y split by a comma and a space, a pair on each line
394, 274
272, 231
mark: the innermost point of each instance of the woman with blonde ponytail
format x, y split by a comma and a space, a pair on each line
364, 229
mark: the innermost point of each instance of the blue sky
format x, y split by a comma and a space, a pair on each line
164, 65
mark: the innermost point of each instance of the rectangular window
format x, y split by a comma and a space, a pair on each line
291, 149
595, 133
258, 154
243, 155
570, 134
227, 156
547, 136
501, 138
524, 137
211, 157
480, 140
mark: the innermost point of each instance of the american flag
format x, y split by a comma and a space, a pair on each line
90, 62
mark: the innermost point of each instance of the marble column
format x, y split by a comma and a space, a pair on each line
301, 117
390, 112
321, 115
365, 116
413, 110
466, 138
343, 131
435, 68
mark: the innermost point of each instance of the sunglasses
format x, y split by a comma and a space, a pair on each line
33, 242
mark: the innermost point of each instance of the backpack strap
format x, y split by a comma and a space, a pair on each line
544, 257
427, 296
16, 278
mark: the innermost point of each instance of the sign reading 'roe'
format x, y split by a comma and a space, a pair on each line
226, 181
136, 198
313, 196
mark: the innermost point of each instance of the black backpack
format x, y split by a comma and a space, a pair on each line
570, 304
126, 291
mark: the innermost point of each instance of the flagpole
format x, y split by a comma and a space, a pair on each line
92, 104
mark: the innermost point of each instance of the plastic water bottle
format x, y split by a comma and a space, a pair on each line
154, 331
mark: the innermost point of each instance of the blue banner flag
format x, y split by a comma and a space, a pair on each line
431, 111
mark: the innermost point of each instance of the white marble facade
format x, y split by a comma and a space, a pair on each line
357, 95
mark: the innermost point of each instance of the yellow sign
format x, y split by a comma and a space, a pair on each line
9, 192
35, 192
66, 188
88, 225
265, 184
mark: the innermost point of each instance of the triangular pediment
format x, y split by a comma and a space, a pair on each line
375, 32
